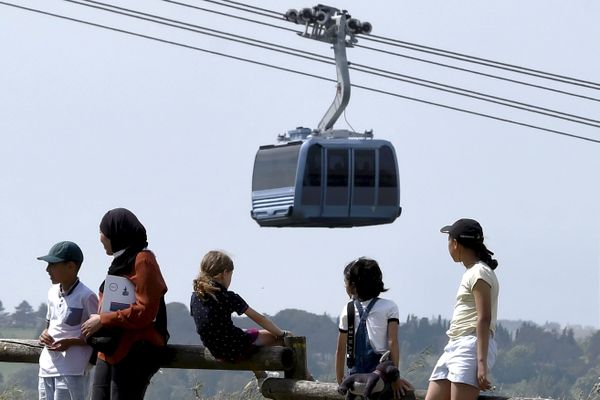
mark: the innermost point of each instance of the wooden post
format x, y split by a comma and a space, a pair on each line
20, 350
291, 359
292, 389
299, 369
275, 358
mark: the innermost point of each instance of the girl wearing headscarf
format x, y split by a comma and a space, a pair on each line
140, 330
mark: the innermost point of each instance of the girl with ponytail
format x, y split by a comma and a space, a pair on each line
211, 306
462, 370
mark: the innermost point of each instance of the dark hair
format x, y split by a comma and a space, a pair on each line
481, 251
366, 277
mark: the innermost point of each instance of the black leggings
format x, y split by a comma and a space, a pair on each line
129, 378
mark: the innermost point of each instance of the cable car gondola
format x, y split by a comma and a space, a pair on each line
325, 183
325, 177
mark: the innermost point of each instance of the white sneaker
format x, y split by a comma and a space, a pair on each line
259, 379
250, 386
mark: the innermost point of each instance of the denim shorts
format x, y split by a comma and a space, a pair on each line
458, 363
64, 387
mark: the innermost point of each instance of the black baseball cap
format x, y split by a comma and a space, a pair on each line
63, 251
464, 228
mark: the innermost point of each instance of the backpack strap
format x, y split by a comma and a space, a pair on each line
363, 312
350, 338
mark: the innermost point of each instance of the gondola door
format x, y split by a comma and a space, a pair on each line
364, 183
337, 183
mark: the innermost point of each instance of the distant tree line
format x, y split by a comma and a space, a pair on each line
24, 316
532, 360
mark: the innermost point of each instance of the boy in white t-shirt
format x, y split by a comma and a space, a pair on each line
64, 361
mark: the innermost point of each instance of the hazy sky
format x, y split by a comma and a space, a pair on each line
92, 119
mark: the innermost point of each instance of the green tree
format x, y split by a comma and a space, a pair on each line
515, 365
592, 348
24, 316
25, 381
40, 316
586, 384
4, 316
503, 338
181, 325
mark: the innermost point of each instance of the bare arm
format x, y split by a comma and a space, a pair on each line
483, 304
399, 386
264, 322
393, 345
340, 356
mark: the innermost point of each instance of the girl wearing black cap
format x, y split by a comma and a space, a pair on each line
462, 370
140, 330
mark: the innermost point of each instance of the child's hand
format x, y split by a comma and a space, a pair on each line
400, 387
45, 339
91, 326
63, 344
285, 334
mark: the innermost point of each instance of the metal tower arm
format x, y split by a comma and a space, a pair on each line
342, 96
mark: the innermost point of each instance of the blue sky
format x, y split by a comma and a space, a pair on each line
91, 120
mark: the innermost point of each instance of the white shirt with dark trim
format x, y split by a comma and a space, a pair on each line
383, 312
66, 312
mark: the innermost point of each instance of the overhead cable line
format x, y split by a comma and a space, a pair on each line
487, 62
486, 97
479, 73
279, 17
260, 63
328, 60
454, 55
249, 8
201, 30
231, 15
262, 11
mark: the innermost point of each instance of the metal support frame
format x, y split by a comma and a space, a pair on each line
336, 27
342, 95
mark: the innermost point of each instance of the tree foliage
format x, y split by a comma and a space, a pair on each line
532, 360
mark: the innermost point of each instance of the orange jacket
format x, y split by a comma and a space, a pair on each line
137, 320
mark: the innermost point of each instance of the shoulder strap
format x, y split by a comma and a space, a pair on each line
350, 338
369, 308
364, 312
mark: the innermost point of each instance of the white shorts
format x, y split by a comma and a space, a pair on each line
458, 363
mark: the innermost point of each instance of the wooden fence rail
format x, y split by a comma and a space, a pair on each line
291, 359
276, 358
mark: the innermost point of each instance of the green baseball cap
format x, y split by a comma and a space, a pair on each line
63, 251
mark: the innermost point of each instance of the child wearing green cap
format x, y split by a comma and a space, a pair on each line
64, 361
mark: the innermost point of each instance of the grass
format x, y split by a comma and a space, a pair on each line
18, 333
7, 369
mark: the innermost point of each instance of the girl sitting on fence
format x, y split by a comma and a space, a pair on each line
211, 307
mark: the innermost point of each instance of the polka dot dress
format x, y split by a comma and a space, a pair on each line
212, 315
